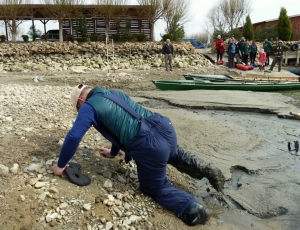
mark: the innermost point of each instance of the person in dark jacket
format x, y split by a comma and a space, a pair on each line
278, 56
267, 46
168, 51
239, 49
148, 138
232, 51
245, 52
253, 52
219, 47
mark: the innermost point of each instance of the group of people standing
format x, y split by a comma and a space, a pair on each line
243, 49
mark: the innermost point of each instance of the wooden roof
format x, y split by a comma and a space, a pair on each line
40, 12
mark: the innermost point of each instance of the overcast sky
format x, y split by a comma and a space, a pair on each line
261, 10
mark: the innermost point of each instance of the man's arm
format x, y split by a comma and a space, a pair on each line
85, 119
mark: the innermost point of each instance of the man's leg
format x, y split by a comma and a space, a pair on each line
151, 149
280, 63
273, 63
191, 164
268, 58
166, 61
170, 62
218, 54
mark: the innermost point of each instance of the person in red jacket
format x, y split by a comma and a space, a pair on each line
219, 47
262, 59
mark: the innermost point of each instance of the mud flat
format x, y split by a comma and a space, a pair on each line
262, 190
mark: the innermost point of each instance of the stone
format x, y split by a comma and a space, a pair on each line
118, 212
33, 181
40, 184
64, 206
108, 184
33, 168
48, 218
53, 190
22, 198
126, 222
134, 218
87, 207
4, 170
108, 225
47, 126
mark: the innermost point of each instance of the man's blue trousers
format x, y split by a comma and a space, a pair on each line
152, 148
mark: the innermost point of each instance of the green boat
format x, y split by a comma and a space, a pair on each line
208, 85
208, 77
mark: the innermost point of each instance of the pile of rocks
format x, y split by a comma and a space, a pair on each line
41, 56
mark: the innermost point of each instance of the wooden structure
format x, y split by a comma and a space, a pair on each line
295, 21
96, 25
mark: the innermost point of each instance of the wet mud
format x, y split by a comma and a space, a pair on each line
262, 180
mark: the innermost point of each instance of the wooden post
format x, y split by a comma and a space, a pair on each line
6, 30
33, 29
297, 58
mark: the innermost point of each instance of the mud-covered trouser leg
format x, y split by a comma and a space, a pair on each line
191, 164
151, 149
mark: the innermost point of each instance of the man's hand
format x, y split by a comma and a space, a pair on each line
59, 171
106, 153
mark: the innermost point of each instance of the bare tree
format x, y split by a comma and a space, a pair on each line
178, 10
62, 9
112, 11
227, 15
12, 13
152, 10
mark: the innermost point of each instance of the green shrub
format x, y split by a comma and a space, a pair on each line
126, 36
141, 37
166, 36
2, 38
25, 38
116, 37
71, 38
94, 37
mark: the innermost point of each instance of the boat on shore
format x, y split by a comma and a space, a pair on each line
226, 85
221, 78
208, 77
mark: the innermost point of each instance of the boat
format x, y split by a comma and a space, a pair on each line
226, 85
245, 78
208, 77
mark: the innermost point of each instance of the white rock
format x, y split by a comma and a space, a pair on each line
108, 225
64, 206
108, 184
4, 170
40, 184
22, 198
9, 119
14, 169
126, 222
49, 162
61, 141
47, 126
55, 215
110, 197
33, 168
87, 207
134, 218
48, 218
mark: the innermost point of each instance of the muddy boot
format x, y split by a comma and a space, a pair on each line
196, 214
195, 167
